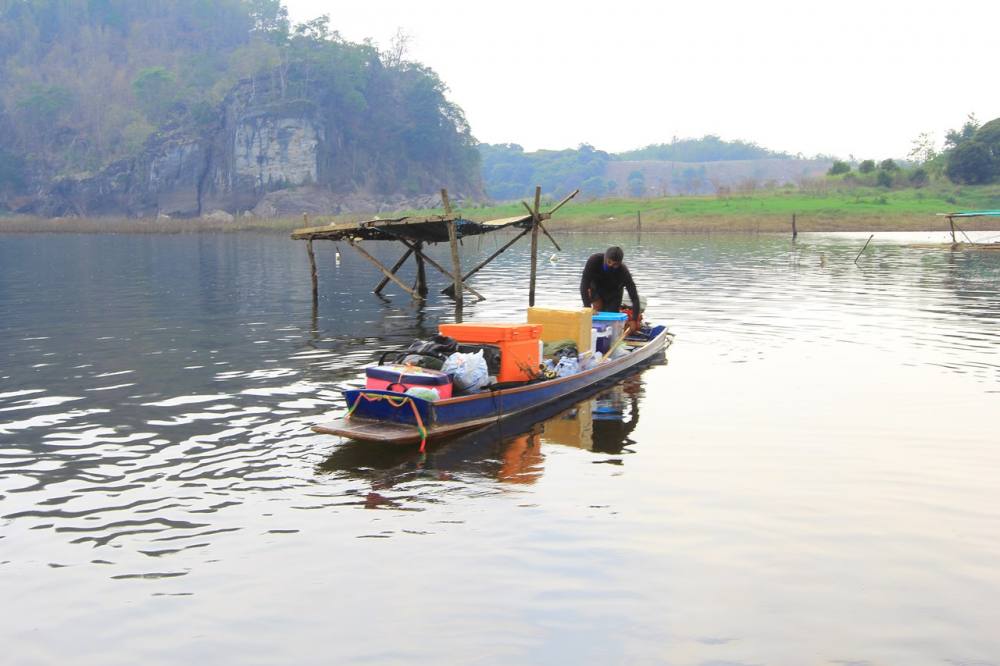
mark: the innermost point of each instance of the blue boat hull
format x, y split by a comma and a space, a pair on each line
387, 416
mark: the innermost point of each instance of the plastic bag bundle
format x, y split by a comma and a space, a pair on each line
424, 392
567, 365
468, 371
590, 360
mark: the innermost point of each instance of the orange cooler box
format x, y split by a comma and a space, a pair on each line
518, 343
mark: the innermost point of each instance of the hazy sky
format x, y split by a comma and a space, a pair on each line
839, 78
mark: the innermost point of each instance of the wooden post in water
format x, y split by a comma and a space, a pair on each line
312, 270
795, 232
951, 221
638, 221
421, 273
863, 249
534, 246
456, 263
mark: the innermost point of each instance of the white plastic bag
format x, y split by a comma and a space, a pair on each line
468, 371
567, 365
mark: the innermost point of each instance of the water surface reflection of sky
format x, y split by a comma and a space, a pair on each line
810, 478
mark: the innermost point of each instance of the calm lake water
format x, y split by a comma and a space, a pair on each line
812, 478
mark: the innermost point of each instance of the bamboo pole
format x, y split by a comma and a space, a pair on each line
863, 249
312, 271
421, 272
382, 268
564, 201
795, 232
453, 242
393, 270
951, 221
534, 246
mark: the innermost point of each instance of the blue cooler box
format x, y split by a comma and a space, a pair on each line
608, 327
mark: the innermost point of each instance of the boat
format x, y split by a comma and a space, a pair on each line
393, 417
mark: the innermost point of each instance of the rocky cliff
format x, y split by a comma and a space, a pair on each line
272, 157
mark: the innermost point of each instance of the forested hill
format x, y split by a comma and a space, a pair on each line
177, 106
709, 148
684, 166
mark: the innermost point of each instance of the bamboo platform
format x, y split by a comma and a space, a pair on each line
413, 233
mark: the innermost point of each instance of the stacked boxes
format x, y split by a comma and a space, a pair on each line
572, 324
518, 343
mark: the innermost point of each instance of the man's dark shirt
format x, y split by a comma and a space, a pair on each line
599, 281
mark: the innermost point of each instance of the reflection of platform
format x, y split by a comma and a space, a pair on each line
573, 427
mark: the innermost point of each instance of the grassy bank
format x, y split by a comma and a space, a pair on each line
817, 208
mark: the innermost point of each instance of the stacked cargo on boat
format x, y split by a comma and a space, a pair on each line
469, 357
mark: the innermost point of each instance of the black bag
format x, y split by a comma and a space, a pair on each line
433, 352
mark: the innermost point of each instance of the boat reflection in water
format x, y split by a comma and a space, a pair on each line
509, 451
602, 424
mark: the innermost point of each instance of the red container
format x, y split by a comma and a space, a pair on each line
518, 343
399, 378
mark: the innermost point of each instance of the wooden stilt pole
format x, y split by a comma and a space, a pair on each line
795, 232
382, 268
534, 246
951, 221
421, 272
863, 249
312, 270
453, 241
393, 270
563, 202
549, 236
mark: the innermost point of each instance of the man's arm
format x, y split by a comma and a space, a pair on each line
633, 294
586, 281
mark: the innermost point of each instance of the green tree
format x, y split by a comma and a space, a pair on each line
11, 172
636, 183
594, 187
883, 178
270, 19
919, 178
888, 165
838, 168
924, 149
155, 89
956, 137
970, 163
867, 166
40, 112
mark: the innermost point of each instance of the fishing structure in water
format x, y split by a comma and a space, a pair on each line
414, 233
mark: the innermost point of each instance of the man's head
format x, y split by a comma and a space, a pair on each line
613, 257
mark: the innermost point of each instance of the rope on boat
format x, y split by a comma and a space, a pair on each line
395, 403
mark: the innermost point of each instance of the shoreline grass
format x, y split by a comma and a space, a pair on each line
817, 210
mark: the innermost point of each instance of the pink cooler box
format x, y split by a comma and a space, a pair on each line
399, 378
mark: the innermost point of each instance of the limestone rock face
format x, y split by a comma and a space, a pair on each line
270, 151
275, 159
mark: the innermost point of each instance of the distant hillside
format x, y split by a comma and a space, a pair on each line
653, 178
698, 166
709, 148
181, 106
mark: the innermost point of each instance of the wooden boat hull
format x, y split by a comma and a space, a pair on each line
383, 416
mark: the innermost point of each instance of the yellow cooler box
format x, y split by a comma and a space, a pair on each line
573, 324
